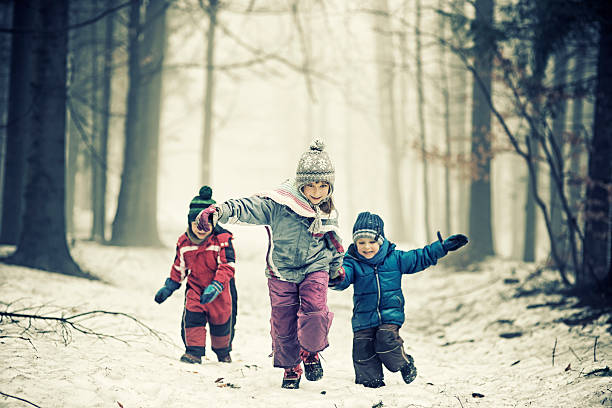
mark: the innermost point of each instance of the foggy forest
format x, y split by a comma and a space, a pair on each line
482, 117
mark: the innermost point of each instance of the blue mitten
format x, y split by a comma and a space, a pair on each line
453, 242
211, 292
168, 289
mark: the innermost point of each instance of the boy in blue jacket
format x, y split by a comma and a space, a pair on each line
375, 268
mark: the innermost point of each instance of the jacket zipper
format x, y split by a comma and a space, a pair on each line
378, 290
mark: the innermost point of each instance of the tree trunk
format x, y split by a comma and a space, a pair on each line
576, 193
6, 20
387, 115
211, 10
100, 168
19, 122
136, 219
458, 114
445, 91
43, 245
597, 228
98, 160
529, 237
480, 228
559, 231
421, 117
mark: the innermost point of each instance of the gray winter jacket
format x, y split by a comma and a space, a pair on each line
293, 251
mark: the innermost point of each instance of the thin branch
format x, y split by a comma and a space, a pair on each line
74, 322
20, 399
553, 352
305, 51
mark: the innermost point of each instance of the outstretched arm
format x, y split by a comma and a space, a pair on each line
249, 210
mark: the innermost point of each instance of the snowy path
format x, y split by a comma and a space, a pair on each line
453, 326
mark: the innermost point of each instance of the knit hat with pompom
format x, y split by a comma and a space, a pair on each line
315, 165
198, 203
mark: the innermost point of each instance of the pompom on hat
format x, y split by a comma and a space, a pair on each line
315, 165
369, 226
198, 203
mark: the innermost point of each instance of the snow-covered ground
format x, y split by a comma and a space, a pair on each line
473, 341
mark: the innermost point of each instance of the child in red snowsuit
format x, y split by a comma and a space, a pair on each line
205, 256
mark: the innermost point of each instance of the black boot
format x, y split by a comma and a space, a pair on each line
191, 359
291, 378
374, 383
312, 366
409, 371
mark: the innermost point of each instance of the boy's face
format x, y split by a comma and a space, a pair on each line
316, 192
367, 247
198, 232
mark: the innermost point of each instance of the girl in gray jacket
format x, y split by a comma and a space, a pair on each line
304, 252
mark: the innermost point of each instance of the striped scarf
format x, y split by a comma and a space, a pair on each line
288, 194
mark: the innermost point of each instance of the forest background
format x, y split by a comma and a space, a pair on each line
477, 117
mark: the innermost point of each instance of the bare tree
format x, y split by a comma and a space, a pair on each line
43, 244
421, 116
480, 228
135, 223
596, 251
388, 120
19, 121
211, 9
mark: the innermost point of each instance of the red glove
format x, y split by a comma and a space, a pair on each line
203, 218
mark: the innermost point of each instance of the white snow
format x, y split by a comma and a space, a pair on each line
453, 324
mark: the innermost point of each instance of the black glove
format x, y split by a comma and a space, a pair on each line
338, 277
453, 242
164, 293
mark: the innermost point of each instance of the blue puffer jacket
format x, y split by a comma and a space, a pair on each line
377, 294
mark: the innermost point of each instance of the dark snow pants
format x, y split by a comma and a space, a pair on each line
375, 347
300, 317
193, 325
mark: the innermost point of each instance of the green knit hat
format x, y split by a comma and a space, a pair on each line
198, 203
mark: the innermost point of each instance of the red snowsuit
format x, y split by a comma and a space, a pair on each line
201, 263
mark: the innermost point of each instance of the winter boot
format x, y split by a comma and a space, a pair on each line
291, 378
190, 358
374, 383
409, 371
224, 359
312, 366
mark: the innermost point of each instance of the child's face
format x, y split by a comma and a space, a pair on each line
199, 233
367, 247
316, 192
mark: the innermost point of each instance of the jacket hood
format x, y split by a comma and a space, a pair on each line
385, 249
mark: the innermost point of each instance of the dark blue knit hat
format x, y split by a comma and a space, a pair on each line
370, 226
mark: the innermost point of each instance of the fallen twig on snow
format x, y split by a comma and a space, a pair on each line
20, 338
20, 399
74, 322
595, 349
605, 372
553, 352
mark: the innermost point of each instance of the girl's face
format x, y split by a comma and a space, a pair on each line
367, 247
316, 192
199, 233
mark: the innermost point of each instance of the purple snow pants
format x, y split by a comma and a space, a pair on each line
300, 317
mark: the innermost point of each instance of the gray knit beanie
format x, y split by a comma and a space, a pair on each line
315, 165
